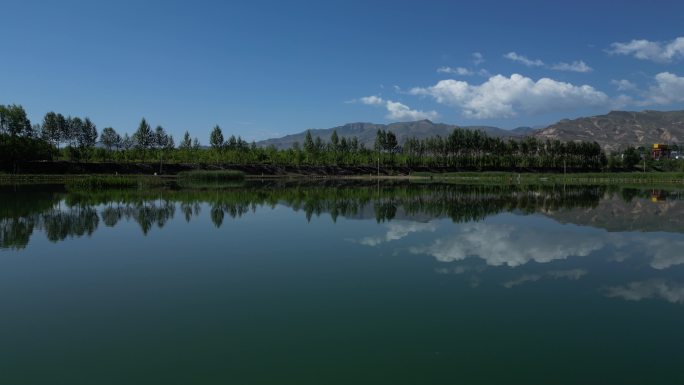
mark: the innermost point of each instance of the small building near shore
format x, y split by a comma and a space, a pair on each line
661, 151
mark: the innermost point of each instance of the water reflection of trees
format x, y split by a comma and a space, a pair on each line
61, 214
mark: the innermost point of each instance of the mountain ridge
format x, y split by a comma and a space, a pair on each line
618, 129
612, 131
366, 131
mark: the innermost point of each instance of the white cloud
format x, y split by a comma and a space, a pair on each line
398, 111
636, 291
576, 66
623, 85
478, 58
669, 88
656, 51
399, 230
500, 96
457, 70
462, 71
523, 59
509, 244
372, 100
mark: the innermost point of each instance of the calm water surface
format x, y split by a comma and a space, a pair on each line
342, 284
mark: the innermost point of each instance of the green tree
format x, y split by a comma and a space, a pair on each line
72, 134
161, 144
110, 138
87, 137
309, 147
186, 145
390, 142
630, 158
51, 128
216, 141
216, 138
143, 137
380, 141
196, 148
13, 120
334, 140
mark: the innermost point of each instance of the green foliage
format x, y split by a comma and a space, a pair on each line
110, 139
462, 150
87, 137
211, 176
216, 138
144, 137
630, 158
16, 148
14, 122
186, 143
98, 182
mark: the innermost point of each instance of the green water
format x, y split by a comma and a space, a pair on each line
342, 283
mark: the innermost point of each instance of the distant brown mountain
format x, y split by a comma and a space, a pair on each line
366, 132
615, 130
619, 129
615, 214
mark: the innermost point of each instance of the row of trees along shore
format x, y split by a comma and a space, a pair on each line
60, 137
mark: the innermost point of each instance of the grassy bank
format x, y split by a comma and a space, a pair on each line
213, 179
576, 178
209, 179
100, 182
211, 176
85, 182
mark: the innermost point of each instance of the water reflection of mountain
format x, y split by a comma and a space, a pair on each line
61, 214
629, 210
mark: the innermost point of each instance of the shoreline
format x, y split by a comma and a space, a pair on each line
616, 178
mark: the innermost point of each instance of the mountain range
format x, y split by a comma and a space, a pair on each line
612, 131
365, 132
620, 128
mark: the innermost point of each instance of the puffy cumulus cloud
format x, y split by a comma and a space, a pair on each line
502, 96
523, 59
372, 100
660, 52
576, 66
455, 70
637, 291
399, 230
398, 111
664, 252
668, 88
623, 85
510, 245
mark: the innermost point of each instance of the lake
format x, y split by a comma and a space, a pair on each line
342, 283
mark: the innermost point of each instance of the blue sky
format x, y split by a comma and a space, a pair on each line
269, 68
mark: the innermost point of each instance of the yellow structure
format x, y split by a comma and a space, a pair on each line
660, 151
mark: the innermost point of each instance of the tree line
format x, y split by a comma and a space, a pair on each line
60, 137
61, 215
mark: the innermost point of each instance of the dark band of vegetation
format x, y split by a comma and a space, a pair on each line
62, 214
75, 139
